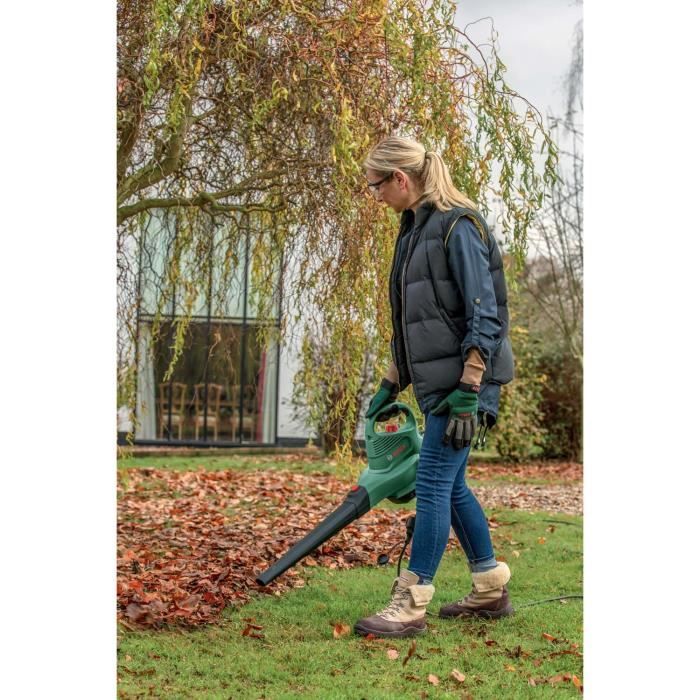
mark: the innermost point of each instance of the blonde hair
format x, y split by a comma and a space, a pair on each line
426, 168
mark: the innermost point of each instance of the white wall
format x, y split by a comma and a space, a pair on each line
289, 364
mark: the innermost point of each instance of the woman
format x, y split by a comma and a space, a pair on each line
446, 329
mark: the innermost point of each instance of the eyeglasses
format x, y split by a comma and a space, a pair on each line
373, 187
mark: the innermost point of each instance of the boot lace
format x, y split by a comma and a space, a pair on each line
466, 600
396, 604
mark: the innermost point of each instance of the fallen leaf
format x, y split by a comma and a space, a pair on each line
541, 540
490, 642
577, 682
508, 667
551, 528
515, 553
549, 637
560, 678
459, 677
340, 630
192, 602
392, 654
434, 680
248, 631
411, 652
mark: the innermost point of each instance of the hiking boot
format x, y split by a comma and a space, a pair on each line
405, 614
489, 596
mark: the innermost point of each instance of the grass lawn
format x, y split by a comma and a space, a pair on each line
299, 656
306, 464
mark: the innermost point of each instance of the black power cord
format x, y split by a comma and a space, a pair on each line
548, 600
384, 558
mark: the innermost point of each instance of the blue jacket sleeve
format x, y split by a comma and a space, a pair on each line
468, 259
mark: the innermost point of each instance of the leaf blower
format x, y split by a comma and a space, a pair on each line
392, 460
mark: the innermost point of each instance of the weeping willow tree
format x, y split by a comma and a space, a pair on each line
256, 115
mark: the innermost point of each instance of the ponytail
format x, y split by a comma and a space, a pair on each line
427, 168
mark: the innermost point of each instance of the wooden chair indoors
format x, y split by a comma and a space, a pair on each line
178, 415
215, 392
248, 427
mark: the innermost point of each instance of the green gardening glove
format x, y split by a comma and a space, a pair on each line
388, 391
463, 404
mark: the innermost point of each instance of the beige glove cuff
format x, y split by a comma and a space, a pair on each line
392, 374
473, 368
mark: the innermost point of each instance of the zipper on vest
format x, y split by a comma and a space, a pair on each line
394, 351
403, 307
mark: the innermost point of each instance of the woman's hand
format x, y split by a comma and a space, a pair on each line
463, 404
388, 391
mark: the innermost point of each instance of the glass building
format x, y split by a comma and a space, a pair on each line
223, 389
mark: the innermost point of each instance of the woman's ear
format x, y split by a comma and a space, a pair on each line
402, 179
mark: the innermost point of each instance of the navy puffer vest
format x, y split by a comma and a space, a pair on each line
428, 317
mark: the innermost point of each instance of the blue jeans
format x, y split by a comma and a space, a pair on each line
442, 500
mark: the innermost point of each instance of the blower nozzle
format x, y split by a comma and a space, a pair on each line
355, 505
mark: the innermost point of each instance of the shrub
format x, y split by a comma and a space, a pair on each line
561, 405
518, 432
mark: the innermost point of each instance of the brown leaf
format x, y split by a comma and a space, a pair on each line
577, 682
139, 614
248, 631
459, 677
411, 652
191, 602
508, 667
549, 637
392, 654
490, 642
433, 680
541, 540
340, 630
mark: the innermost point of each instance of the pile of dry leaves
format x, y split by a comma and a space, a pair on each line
190, 543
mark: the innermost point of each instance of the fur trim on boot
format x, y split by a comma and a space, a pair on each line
488, 598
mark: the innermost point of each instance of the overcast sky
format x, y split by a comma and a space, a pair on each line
534, 42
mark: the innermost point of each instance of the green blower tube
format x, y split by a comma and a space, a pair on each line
392, 460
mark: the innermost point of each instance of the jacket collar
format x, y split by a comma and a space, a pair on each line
421, 215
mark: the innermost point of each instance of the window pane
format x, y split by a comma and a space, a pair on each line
180, 401
259, 390
156, 243
227, 275
224, 371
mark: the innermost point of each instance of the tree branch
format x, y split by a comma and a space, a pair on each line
203, 200
154, 172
